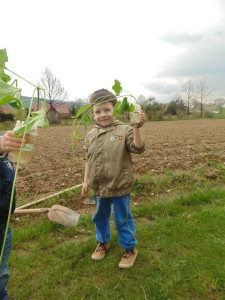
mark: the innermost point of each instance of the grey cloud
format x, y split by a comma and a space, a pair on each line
180, 38
186, 38
161, 87
206, 58
162, 90
203, 60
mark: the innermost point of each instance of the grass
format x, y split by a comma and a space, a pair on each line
181, 241
220, 115
7, 125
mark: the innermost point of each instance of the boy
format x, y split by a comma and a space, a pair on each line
7, 143
108, 172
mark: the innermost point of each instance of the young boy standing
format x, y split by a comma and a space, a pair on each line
109, 173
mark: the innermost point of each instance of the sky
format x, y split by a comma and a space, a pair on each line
151, 47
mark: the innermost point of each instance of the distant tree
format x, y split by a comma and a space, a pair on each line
72, 109
188, 95
152, 108
220, 102
203, 94
76, 105
141, 100
176, 107
195, 107
55, 92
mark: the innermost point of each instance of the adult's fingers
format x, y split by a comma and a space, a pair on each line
10, 143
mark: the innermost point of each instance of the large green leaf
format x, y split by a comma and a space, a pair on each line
123, 106
16, 104
37, 119
117, 87
3, 60
9, 93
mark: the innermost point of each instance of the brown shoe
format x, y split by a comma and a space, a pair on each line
128, 259
100, 251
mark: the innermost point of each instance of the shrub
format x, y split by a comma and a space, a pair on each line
6, 117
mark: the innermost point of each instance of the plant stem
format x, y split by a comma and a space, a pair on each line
20, 77
14, 181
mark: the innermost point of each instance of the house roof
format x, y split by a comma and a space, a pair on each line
6, 110
60, 108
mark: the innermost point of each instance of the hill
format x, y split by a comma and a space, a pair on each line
27, 100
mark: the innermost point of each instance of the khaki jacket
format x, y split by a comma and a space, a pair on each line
108, 153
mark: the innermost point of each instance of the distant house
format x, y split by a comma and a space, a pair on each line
61, 109
6, 110
6, 113
55, 112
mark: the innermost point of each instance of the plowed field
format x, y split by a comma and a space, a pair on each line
169, 145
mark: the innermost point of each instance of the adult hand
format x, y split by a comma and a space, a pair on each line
10, 143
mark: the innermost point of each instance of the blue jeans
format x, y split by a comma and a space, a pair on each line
123, 220
4, 270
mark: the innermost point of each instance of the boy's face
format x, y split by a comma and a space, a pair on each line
103, 114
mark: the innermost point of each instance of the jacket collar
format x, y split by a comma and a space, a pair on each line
115, 123
102, 129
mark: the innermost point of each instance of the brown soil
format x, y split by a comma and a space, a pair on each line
169, 145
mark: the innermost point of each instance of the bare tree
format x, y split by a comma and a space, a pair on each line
144, 102
220, 102
152, 109
55, 92
141, 100
203, 92
188, 95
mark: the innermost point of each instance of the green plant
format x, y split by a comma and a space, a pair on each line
124, 104
8, 93
12, 95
